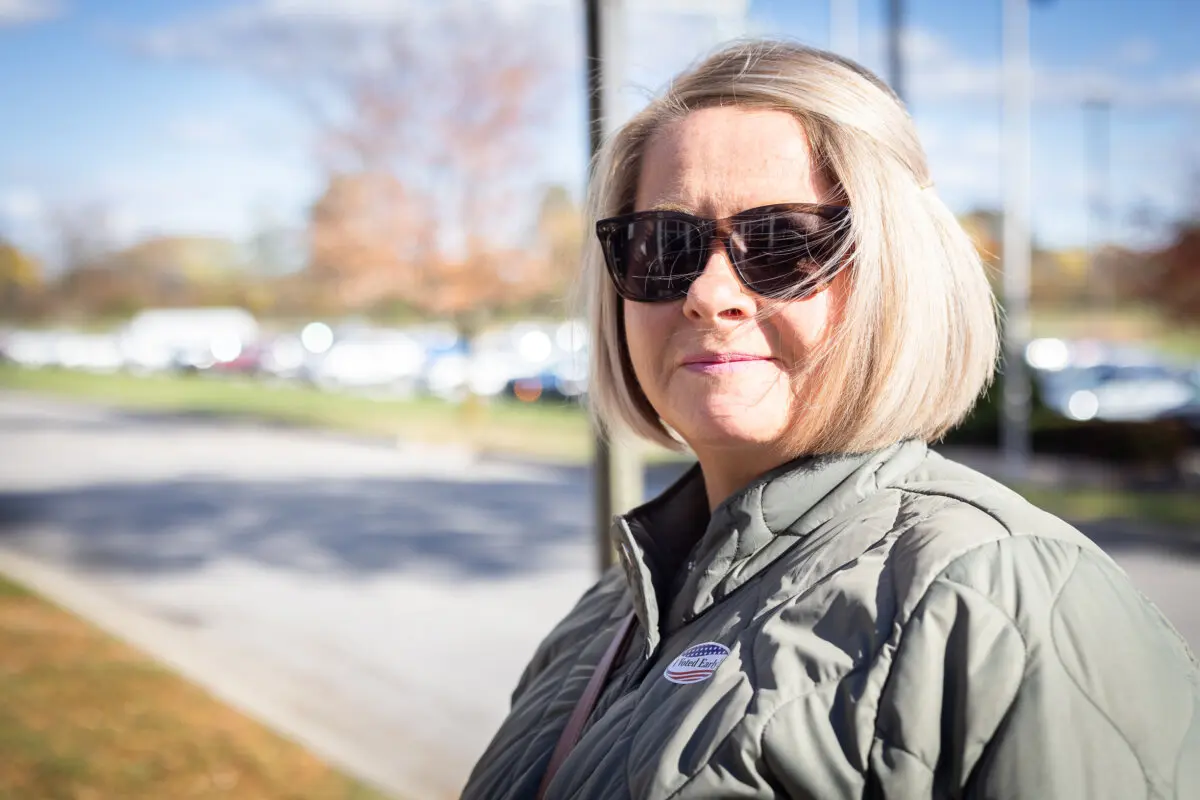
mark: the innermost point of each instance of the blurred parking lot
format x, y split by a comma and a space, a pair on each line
1081, 379
1119, 402
528, 360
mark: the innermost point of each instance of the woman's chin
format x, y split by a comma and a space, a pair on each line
731, 428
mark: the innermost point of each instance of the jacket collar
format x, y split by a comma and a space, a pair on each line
673, 584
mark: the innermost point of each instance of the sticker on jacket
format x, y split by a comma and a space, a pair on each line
697, 663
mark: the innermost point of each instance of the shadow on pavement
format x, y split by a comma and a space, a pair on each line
359, 526
362, 526
474, 529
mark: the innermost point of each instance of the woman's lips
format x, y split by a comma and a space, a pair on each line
724, 363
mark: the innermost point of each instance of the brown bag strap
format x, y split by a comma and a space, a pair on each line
587, 703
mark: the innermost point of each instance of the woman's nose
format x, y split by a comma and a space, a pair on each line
718, 293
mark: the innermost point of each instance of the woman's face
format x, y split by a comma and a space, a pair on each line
714, 163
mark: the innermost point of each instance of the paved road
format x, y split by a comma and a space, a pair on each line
377, 602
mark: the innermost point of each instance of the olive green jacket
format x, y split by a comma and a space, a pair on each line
883, 625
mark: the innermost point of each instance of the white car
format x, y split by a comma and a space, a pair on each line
1120, 393
371, 359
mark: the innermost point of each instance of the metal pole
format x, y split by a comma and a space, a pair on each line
1017, 245
843, 27
595, 75
617, 471
895, 46
1098, 131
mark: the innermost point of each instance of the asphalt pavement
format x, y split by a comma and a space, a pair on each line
375, 602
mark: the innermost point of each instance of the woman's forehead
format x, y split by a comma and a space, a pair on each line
718, 161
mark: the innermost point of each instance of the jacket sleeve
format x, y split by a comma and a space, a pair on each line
1033, 668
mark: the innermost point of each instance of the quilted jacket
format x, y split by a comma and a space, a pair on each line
882, 625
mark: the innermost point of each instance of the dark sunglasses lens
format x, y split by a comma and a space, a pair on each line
786, 254
654, 259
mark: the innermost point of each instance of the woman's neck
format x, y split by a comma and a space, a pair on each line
730, 469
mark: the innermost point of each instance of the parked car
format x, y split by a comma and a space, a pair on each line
32, 349
563, 379
1117, 392
371, 359
91, 352
187, 339
488, 366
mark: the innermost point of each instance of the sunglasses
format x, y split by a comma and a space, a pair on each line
778, 251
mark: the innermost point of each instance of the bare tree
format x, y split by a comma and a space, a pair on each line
83, 233
427, 127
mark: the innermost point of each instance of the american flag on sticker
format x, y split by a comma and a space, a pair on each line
697, 663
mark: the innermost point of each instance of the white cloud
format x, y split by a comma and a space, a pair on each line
20, 205
277, 29
964, 160
1137, 51
964, 180
24, 217
1178, 88
648, 60
367, 11
936, 71
204, 131
1148, 165
24, 12
933, 69
287, 23
208, 192
1167, 90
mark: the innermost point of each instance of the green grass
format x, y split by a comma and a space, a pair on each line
558, 432
1129, 323
9, 589
1170, 508
84, 716
508, 426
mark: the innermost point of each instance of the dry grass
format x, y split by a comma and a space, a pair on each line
84, 717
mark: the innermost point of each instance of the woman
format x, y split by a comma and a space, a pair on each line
822, 607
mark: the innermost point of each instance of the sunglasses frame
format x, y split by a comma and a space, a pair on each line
714, 231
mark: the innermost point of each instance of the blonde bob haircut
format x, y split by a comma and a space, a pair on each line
916, 342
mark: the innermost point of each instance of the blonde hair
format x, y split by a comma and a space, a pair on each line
917, 341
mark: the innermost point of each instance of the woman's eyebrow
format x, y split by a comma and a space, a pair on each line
669, 206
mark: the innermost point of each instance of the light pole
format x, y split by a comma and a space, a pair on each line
895, 46
618, 482
1098, 131
1017, 393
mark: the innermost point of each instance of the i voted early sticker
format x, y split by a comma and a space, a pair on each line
697, 663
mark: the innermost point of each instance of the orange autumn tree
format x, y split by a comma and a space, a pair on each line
21, 281
428, 148
356, 239
1176, 287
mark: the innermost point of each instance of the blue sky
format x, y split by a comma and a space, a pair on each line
191, 146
